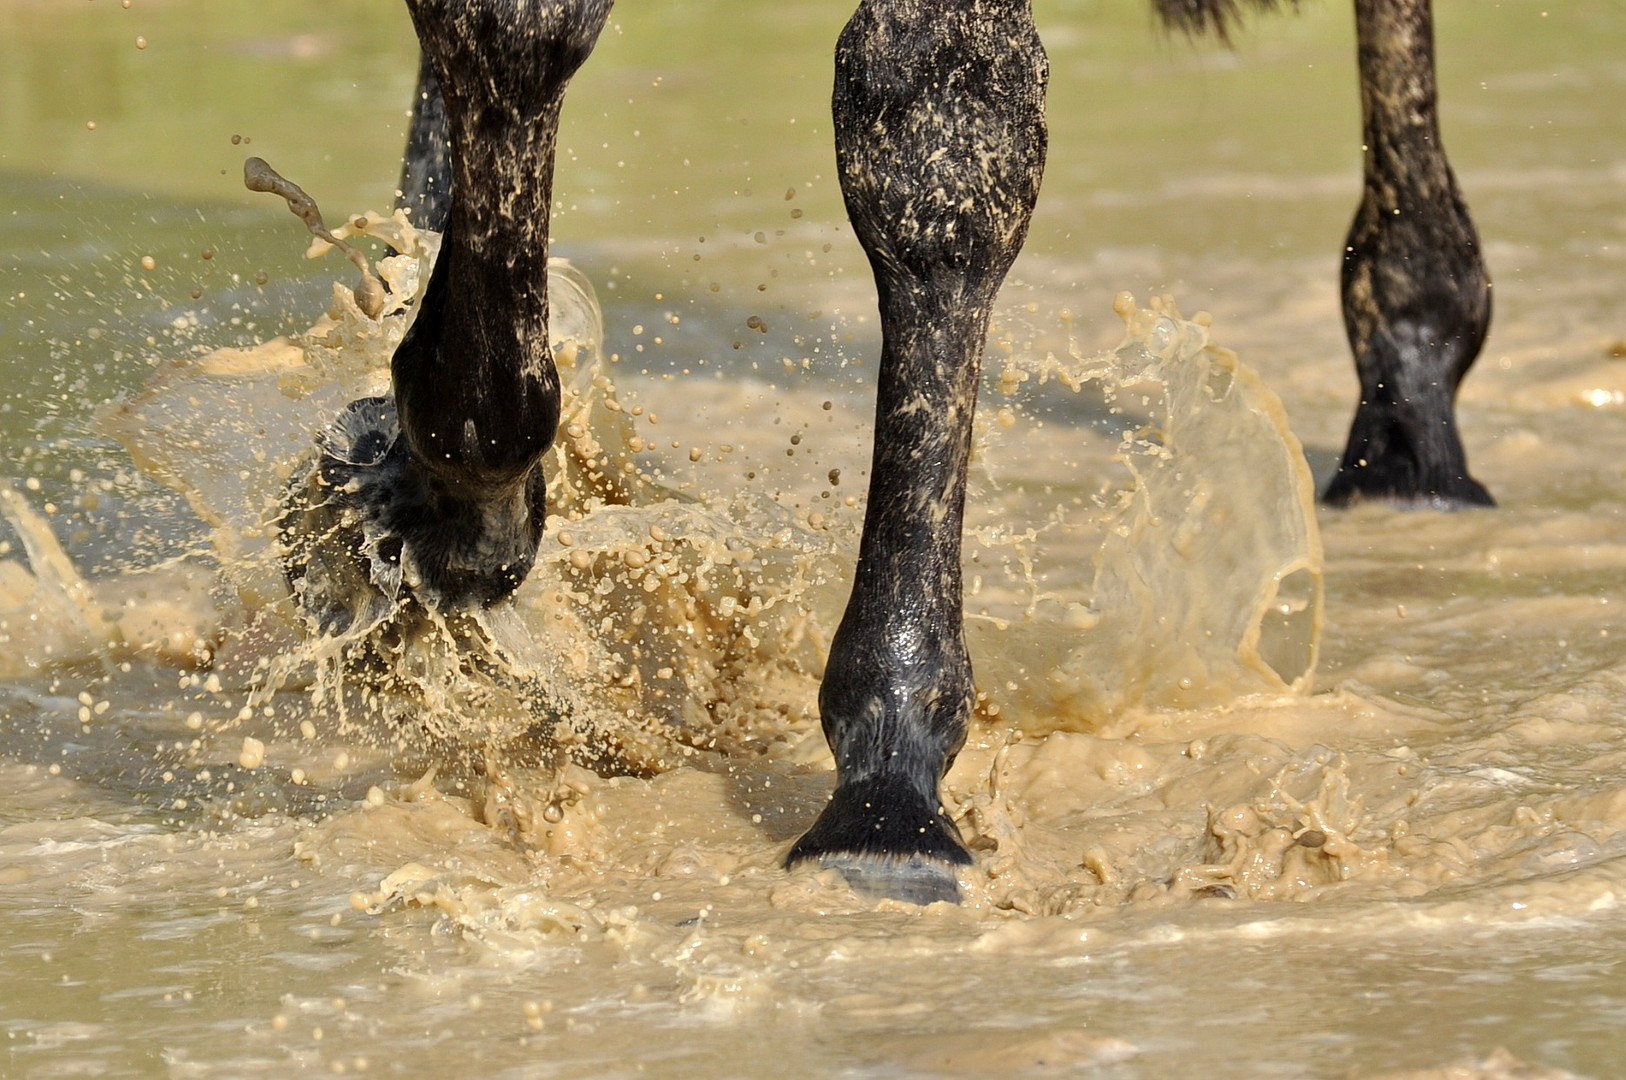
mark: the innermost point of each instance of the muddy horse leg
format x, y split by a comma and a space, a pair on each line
436, 493
474, 381
1416, 296
940, 143
426, 167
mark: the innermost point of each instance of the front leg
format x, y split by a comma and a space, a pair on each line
1416, 295
436, 493
940, 144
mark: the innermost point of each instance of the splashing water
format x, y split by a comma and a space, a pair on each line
1206, 557
657, 625
648, 612
1143, 653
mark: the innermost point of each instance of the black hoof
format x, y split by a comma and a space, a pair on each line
1350, 486
364, 528
343, 565
888, 840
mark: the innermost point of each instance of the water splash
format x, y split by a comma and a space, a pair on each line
654, 621
1199, 531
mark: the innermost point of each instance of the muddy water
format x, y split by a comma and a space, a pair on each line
1412, 863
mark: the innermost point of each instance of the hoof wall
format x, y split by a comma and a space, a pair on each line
890, 841
915, 880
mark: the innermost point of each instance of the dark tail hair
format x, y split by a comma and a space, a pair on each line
1196, 17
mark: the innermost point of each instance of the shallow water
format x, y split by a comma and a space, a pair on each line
1150, 898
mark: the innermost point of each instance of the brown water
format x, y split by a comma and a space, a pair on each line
1412, 865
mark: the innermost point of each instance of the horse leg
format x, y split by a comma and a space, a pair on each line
475, 386
1416, 296
437, 493
426, 167
940, 143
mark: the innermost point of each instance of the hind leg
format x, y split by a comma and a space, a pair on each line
1415, 292
426, 167
940, 141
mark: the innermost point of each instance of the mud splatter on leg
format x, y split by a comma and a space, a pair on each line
940, 142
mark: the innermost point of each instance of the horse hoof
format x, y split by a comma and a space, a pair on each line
914, 880
888, 839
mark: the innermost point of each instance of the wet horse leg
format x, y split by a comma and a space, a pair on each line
940, 143
426, 167
437, 493
474, 381
1416, 295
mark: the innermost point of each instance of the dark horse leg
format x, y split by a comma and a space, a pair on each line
436, 495
940, 143
426, 167
1416, 296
